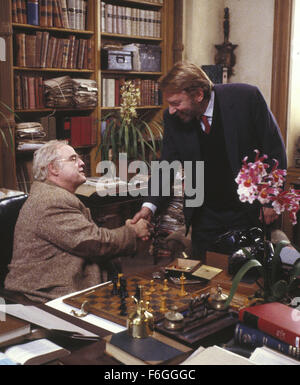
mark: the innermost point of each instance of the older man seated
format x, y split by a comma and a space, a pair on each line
58, 249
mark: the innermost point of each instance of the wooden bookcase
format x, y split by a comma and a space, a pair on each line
10, 160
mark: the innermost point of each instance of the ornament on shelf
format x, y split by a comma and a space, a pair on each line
225, 54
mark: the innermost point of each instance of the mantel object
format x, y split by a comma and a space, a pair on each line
225, 54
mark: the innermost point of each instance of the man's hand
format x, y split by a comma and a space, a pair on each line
142, 228
144, 213
269, 215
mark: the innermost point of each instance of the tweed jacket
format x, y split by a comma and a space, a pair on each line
58, 249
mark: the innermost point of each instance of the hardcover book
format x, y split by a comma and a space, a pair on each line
253, 338
154, 350
276, 319
34, 353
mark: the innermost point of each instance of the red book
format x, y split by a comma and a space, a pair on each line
75, 131
86, 130
275, 319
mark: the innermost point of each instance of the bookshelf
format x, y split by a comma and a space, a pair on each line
15, 71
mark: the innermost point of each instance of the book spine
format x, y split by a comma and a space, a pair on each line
45, 42
253, 338
56, 19
31, 93
19, 12
64, 10
71, 13
33, 12
77, 14
281, 333
18, 92
60, 13
20, 50
30, 42
66, 47
50, 13
14, 12
75, 131
43, 13
24, 12
71, 51
39, 36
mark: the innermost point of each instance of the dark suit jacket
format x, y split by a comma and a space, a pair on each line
248, 125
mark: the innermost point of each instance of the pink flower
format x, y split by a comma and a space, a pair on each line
254, 182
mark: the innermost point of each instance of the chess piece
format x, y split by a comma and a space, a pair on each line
152, 288
163, 307
123, 286
115, 288
123, 307
119, 281
182, 293
165, 285
148, 307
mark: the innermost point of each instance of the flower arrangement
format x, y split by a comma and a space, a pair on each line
127, 132
255, 183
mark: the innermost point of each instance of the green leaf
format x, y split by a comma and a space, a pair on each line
239, 275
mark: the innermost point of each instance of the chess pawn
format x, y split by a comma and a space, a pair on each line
140, 323
182, 293
165, 285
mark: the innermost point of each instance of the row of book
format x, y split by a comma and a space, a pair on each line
41, 50
51, 13
274, 325
33, 92
122, 20
29, 92
150, 94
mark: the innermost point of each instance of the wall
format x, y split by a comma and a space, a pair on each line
251, 27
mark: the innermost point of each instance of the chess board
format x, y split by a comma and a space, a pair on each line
101, 302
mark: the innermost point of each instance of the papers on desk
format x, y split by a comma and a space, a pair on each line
58, 304
42, 318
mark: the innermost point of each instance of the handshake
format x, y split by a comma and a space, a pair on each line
140, 223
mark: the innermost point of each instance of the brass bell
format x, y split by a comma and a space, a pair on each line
173, 319
140, 323
217, 301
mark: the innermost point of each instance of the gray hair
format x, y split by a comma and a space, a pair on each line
45, 155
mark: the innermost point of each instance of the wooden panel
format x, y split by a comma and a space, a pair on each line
281, 62
7, 160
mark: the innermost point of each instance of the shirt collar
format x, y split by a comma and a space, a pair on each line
210, 108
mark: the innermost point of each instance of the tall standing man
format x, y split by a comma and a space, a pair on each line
219, 124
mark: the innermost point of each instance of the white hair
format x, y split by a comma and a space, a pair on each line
45, 155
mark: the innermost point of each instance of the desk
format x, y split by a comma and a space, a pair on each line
93, 352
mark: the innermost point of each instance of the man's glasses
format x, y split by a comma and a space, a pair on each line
73, 158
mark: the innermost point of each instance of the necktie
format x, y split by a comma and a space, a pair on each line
206, 124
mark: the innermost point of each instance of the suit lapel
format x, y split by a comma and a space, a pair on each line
227, 107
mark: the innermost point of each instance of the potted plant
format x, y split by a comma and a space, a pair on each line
125, 131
